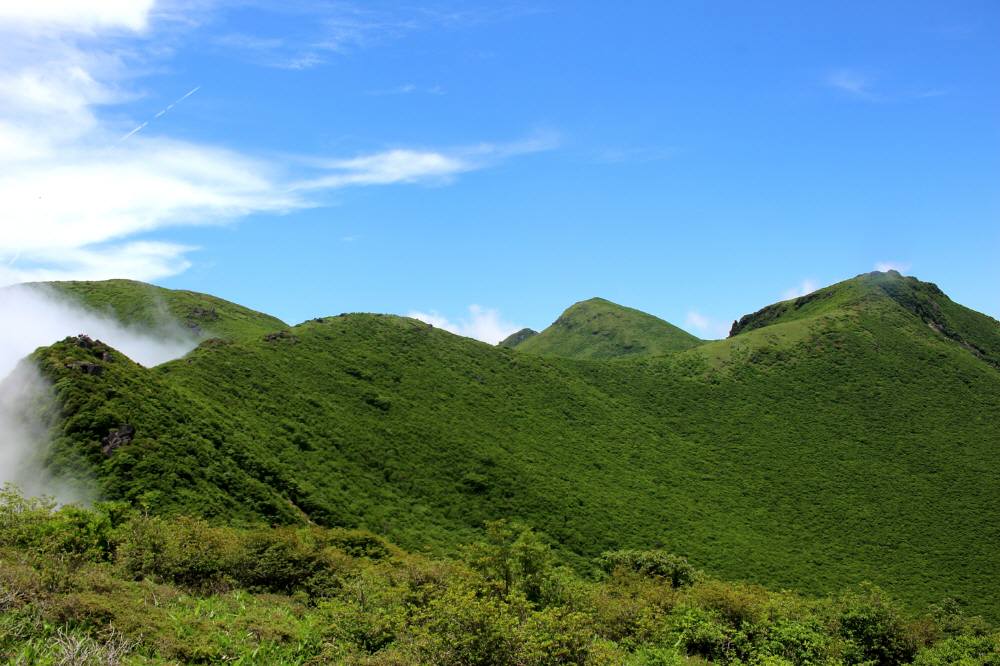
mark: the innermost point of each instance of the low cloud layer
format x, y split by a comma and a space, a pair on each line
35, 317
39, 317
482, 324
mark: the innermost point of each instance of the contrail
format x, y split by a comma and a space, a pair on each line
177, 101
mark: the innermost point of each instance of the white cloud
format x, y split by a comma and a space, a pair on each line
138, 260
419, 166
77, 188
482, 324
76, 15
392, 166
705, 326
805, 287
884, 266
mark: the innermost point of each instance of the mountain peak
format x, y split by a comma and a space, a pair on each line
598, 329
887, 292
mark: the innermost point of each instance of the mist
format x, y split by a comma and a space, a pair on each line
36, 316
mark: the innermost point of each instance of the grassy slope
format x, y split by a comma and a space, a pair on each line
850, 442
600, 329
141, 304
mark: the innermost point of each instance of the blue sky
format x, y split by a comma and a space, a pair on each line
488, 164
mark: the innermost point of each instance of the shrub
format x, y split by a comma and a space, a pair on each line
651, 563
876, 628
554, 636
461, 629
962, 650
513, 558
186, 551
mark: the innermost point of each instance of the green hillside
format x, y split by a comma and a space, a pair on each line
600, 329
842, 440
146, 305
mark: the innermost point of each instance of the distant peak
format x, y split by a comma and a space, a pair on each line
599, 328
514, 339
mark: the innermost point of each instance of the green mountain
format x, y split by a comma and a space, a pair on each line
976, 332
600, 329
850, 435
145, 305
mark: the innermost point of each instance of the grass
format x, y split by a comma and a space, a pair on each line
845, 440
600, 329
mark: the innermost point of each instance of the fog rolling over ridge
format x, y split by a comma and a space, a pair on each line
34, 316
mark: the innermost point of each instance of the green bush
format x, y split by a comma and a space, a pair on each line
652, 563
962, 651
876, 628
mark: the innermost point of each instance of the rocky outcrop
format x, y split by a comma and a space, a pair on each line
280, 336
98, 350
117, 438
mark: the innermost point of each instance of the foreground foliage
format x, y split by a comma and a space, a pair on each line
109, 585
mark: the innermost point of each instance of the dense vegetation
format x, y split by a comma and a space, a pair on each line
846, 440
111, 585
600, 329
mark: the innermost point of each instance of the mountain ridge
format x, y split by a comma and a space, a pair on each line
144, 305
791, 454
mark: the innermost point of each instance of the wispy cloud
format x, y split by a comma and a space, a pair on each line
803, 288
705, 326
407, 89
851, 82
77, 189
418, 166
341, 28
864, 86
483, 324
